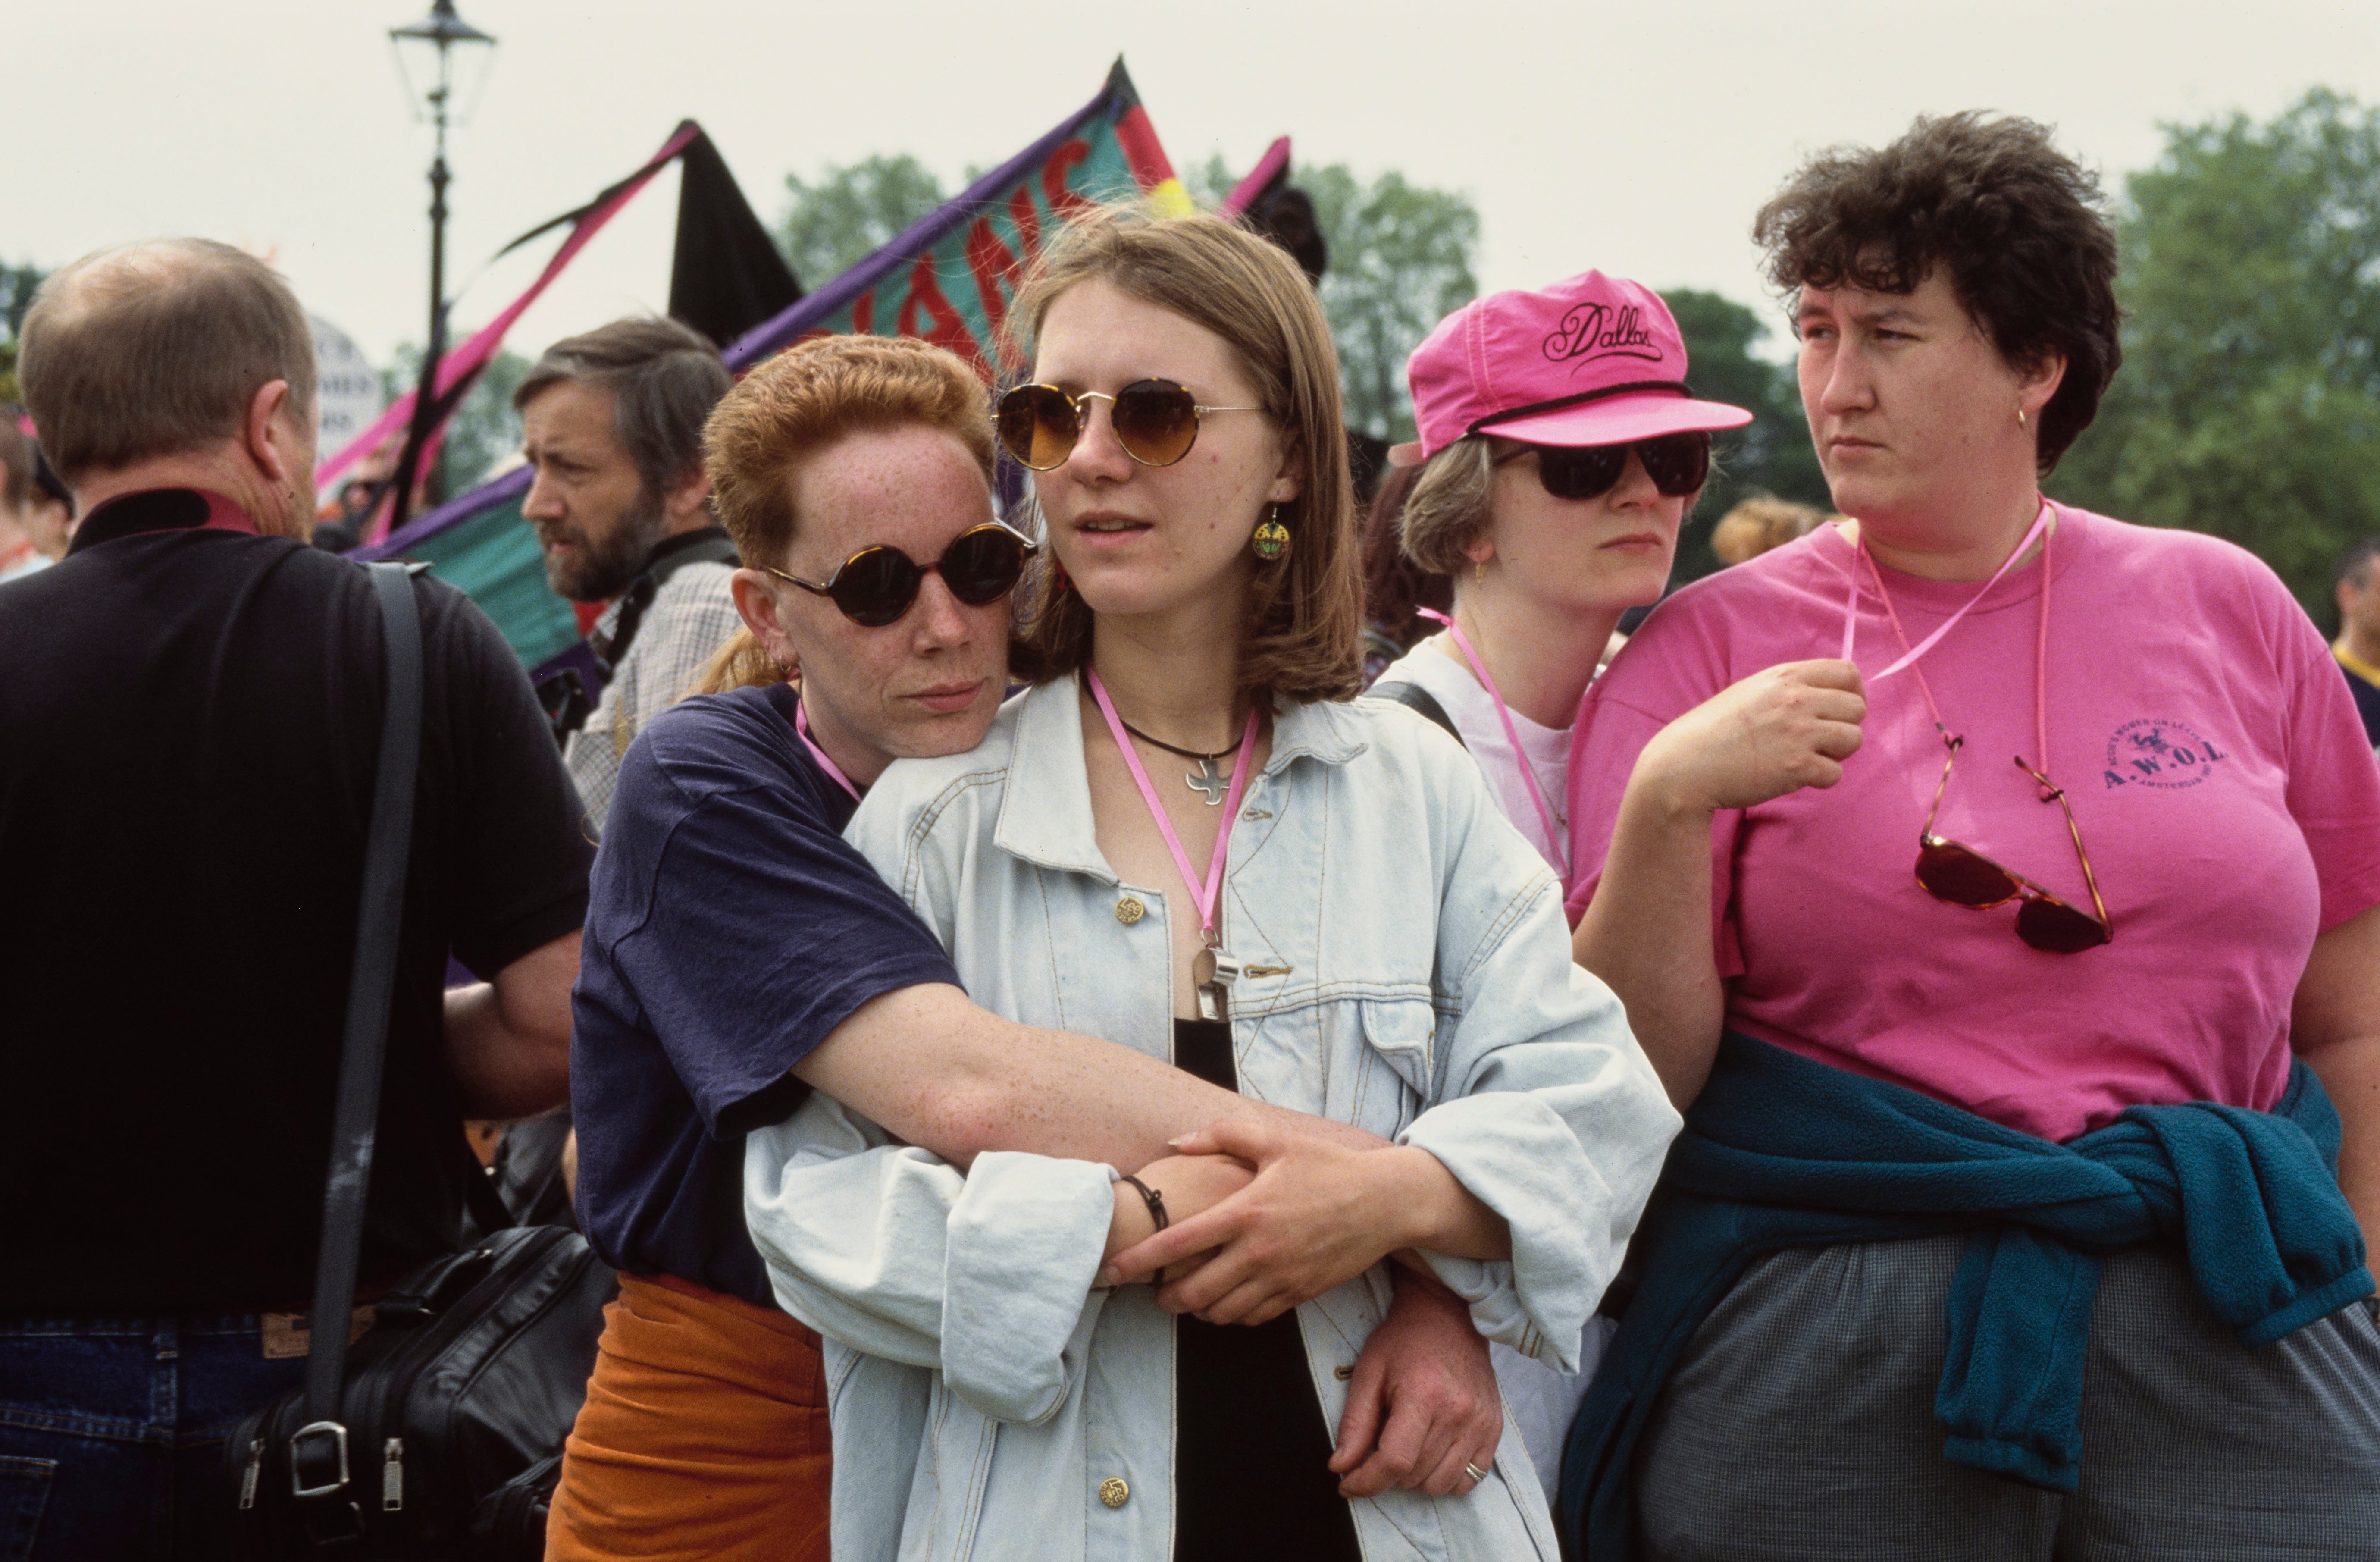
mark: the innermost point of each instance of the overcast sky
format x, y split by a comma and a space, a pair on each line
1639, 139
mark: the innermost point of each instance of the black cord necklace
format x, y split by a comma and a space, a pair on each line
1207, 782
1185, 753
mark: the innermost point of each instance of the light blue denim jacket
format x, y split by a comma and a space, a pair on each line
1408, 971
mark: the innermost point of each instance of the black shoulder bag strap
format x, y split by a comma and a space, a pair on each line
638, 599
317, 1451
1415, 696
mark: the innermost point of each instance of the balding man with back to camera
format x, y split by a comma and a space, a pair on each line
611, 427
188, 729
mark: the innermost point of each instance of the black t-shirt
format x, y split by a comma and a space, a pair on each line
1251, 1476
731, 930
189, 721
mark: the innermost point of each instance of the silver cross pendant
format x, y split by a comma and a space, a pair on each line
1206, 782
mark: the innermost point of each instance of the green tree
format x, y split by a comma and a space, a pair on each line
1770, 455
484, 429
851, 211
17, 287
1209, 181
2249, 401
1401, 257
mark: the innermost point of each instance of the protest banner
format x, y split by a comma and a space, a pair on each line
948, 278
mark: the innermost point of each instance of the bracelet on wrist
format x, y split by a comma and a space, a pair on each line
1156, 1203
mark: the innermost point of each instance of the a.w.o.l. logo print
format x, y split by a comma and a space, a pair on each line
2160, 753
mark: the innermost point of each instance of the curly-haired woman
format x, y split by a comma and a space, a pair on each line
2009, 1217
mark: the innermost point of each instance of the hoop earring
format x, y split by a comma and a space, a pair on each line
2020, 417
1270, 540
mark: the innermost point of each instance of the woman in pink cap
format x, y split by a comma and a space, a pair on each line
1997, 885
1559, 450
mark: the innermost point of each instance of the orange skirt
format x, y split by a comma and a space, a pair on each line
704, 1435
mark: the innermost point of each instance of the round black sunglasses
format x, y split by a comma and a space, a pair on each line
876, 586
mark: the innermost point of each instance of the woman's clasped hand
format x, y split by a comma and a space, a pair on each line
1781, 730
1314, 1215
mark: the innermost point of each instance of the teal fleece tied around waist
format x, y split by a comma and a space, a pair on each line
1781, 1152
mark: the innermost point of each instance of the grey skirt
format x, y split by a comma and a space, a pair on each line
1799, 1424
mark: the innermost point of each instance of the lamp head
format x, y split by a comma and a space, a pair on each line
427, 52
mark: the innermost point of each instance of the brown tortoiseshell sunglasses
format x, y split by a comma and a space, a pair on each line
1960, 876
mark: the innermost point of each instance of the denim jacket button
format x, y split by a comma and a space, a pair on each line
1113, 1492
1129, 911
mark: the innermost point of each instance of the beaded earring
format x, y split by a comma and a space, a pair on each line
1271, 538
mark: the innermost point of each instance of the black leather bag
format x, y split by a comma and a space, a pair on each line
415, 1443
471, 1374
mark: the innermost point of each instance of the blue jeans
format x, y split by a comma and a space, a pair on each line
111, 1432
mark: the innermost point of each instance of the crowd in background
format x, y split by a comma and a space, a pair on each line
1200, 1012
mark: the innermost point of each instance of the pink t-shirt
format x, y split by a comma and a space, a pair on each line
2211, 751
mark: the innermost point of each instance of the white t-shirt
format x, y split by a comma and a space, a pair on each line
1542, 1400
1447, 678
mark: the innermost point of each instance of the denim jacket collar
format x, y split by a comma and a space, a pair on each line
1045, 812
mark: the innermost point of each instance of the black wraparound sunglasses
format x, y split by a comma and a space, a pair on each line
877, 585
1678, 464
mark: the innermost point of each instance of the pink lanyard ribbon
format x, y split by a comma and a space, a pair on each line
2040, 648
802, 730
1511, 734
1209, 890
1851, 605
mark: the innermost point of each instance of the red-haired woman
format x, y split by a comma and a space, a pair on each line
1175, 838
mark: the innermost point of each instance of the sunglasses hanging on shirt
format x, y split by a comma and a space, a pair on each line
1953, 871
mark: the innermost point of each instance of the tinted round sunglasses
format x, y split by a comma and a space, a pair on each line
1155, 420
1678, 463
877, 585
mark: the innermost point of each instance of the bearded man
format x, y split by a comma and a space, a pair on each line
611, 425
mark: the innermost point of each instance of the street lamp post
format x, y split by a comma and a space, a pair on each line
426, 53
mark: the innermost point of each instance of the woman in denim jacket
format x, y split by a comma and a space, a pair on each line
1187, 839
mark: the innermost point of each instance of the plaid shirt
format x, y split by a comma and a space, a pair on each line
690, 618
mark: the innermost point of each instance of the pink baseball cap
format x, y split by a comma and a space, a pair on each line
1594, 361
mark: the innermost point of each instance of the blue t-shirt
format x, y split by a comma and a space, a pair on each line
729, 929
2367, 701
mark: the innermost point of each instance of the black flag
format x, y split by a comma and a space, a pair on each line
727, 276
